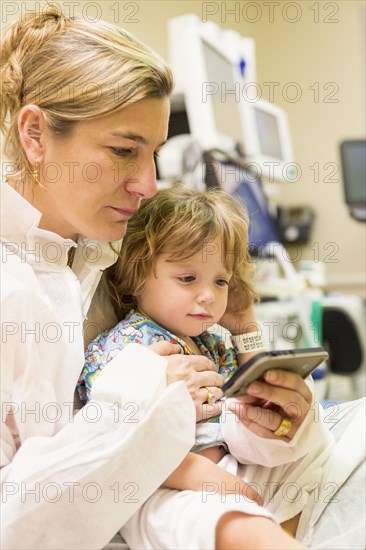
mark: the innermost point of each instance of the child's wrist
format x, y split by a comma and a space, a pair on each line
247, 342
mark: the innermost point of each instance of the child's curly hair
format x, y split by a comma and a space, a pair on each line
181, 222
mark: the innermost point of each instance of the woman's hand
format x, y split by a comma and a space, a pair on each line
198, 373
280, 395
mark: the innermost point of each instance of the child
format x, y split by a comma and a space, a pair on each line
181, 252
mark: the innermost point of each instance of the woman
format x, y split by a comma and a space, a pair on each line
79, 167
85, 109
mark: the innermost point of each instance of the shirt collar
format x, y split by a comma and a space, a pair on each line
22, 236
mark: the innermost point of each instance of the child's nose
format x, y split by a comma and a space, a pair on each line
207, 295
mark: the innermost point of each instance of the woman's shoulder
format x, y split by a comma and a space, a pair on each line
22, 298
17, 276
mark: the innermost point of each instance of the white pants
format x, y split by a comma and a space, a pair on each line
175, 520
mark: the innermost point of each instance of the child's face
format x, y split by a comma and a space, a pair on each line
187, 297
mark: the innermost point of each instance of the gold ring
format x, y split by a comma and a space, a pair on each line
211, 396
284, 427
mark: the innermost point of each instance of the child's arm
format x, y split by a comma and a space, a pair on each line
198, 473
247, 324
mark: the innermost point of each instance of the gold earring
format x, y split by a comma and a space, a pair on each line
36, 173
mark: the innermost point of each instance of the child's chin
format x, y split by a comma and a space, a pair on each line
198, 332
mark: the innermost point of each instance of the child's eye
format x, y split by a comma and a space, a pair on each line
156, 154
222, 282
187, 279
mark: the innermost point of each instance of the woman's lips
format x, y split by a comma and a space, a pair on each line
125, 212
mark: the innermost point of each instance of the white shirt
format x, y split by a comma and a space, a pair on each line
72, 481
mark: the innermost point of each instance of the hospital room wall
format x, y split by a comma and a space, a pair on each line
322, 53
312, 54
326, 60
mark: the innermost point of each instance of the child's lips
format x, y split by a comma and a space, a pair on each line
201, 316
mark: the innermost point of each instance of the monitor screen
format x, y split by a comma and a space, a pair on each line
225, 93
221, 110
268, 134
354, 170
262, 228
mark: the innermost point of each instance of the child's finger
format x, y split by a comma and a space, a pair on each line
208, 410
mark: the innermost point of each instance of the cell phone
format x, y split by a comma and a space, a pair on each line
301, 361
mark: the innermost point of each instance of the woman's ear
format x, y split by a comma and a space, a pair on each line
31, 127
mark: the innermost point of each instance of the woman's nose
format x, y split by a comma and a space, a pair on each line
142, 180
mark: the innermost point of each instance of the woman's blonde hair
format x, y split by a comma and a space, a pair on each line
181, 222
72, 69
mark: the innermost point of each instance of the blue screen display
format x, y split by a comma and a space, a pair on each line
262, 229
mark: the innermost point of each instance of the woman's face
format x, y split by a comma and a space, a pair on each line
95, 178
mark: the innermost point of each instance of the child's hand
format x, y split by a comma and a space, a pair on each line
237, 318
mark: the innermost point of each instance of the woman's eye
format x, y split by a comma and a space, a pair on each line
122, 152
187, 279
156, 155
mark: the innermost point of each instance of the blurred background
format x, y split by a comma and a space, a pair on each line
309, 62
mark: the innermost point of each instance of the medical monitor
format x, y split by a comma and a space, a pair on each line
267, 141
262, 229
353, 157
203, 73
222, 91
214, 77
